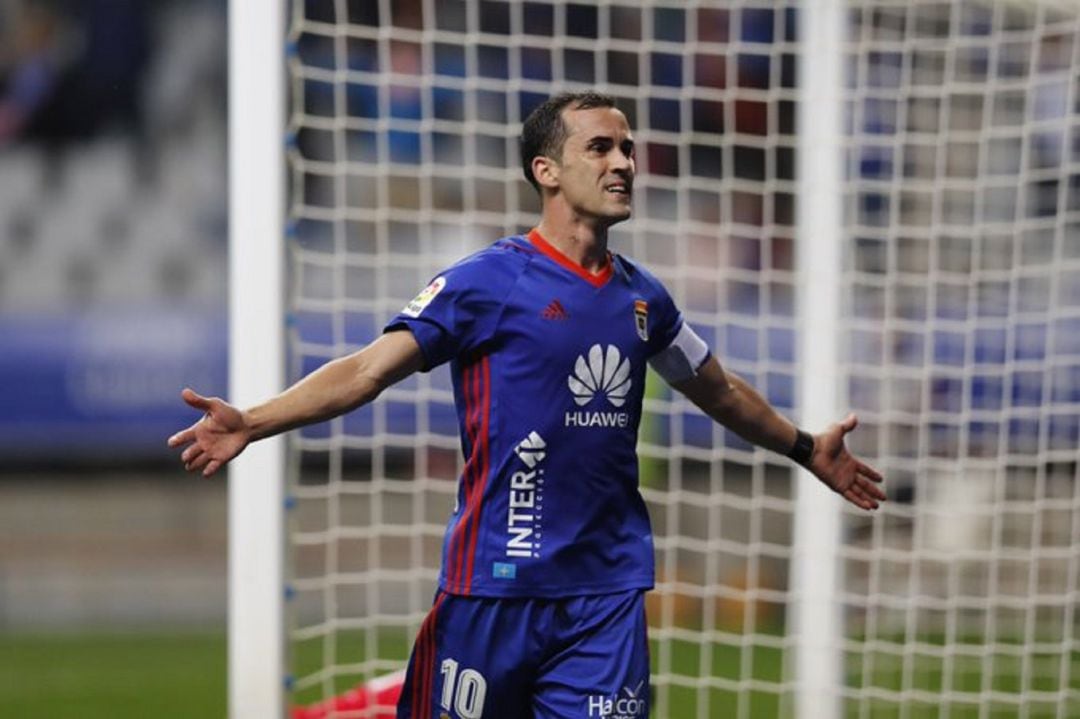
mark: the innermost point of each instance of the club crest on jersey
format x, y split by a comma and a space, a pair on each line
641, 319
422, 300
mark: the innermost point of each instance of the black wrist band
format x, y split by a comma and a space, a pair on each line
804, 447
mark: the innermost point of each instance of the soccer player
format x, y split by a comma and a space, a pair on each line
540, 609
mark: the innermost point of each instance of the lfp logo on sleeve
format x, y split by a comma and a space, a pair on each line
422, 300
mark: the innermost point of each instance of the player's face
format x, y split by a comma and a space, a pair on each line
596, 173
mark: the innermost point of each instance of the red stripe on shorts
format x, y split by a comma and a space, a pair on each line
429, 656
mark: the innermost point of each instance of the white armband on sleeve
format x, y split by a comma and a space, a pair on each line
682, 359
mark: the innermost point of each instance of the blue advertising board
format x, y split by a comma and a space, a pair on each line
104, 385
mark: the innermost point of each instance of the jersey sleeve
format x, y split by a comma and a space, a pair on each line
677, 352
667, 319
456, 313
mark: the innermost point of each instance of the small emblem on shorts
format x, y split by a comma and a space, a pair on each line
634, 705
504, 570
641, 319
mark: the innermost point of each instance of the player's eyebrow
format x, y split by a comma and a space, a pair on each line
607, 141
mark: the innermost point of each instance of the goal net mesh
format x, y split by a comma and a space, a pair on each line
960, 333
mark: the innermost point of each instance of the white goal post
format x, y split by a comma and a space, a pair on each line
870, 205
815, 614
256, 608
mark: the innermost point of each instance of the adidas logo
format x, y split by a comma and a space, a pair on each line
603, 371
555, 311
531, 450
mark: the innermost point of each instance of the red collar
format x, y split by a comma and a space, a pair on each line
545, 247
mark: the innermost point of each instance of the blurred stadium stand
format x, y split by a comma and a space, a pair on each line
113, 225
113, 220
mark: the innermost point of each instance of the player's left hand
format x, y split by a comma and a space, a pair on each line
833, 464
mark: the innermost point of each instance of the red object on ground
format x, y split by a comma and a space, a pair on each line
379, 697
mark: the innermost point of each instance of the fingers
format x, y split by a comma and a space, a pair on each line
197, 462
871, 485
183, 437
191, 457
872, 492
188, 435
189, 454
195, 399
849, 423
857, 495
865, 493
195, 459
868, 471
860, 500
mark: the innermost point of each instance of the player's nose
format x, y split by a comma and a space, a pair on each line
622, 167
621, 162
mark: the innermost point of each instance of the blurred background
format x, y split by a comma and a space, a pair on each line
963, 241
112, 297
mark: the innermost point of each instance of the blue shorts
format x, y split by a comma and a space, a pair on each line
572, 658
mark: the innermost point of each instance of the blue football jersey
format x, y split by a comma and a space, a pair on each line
548, 365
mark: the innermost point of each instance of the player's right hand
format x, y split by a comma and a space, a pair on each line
220, 435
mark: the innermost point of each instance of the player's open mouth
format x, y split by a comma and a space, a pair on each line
618, 188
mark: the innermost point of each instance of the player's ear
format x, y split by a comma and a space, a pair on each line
546, 171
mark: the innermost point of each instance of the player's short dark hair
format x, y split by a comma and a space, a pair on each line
544, 132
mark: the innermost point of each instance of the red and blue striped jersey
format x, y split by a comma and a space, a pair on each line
548, 365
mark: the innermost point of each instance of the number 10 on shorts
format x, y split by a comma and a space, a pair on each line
464, 692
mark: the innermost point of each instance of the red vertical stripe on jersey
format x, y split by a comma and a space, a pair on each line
483, 464
459, 539
474, 474
462, 546
455, 549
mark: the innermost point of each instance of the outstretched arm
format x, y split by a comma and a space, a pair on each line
732, 402
335, 388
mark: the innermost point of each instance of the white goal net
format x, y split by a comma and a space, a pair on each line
962, 333
960, 328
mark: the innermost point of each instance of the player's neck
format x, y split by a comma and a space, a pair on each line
582, 242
